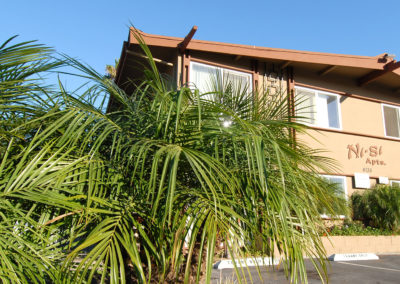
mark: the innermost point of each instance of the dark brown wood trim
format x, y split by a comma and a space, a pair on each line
337, 174
290, 87
121, 64
347, 94
285, 64
184, 69
291, 102
256, 75
118, 75
354, 133
325, 71
352, 175
182, 46
156, 60
376, 74
188, 59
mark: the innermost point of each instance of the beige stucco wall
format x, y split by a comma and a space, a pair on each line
361, 116
361, 244
378, 157
350, 146
340, 147
358, 244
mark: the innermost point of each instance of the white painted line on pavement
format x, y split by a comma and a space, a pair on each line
368, 266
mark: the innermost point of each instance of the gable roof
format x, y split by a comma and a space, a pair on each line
366, 69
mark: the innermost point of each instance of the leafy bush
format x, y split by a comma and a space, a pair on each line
357, 229
378, 208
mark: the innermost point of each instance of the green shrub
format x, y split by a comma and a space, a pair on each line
357, 229
378, 208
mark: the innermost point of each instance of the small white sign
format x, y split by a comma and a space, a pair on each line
353, 256
361, 180
246, 262
383, 180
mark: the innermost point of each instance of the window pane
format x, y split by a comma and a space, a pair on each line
305, 106
339, 182
391, 121
322, 111
328, 111
241, 81
208, 78
333, 114
395, 183
202, 76
339, 190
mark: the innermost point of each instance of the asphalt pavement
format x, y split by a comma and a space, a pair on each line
384, 270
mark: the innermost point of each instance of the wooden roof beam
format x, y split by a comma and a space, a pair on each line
376, 74
263, 53
182, 46
382, 58
285, 64
157, 60
326, 70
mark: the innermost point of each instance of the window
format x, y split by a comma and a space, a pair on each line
341, 190
204, 77
391, 121
318, 108
395, 183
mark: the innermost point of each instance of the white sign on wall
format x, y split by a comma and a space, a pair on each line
361, 180
383, 180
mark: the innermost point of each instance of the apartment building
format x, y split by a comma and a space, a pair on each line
351, 103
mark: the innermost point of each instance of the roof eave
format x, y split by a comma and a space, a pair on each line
261, 53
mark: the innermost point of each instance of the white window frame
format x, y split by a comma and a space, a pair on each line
316, 93
384, 123
394, 180
344, 178
217, 67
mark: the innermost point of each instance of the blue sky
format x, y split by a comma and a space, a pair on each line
94, 31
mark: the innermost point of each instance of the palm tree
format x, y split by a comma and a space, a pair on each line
111, 70
144, 193
27, 253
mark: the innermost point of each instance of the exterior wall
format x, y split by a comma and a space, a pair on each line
360, 116
357, 244
378, 157
272, 81
360, 146
337, 147
361, 244
345, 85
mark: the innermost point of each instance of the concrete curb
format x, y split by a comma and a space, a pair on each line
352, 256
246, 262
